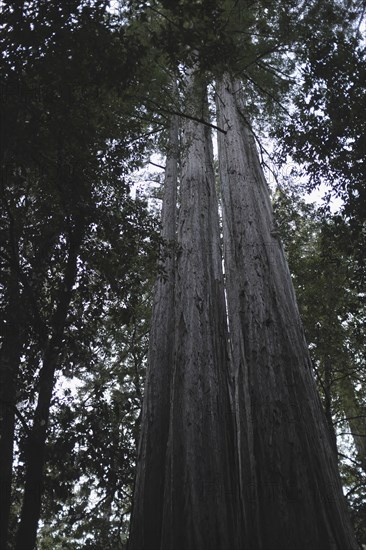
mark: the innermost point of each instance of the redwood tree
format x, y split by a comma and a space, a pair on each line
196, 505
295, 494
253, 465
149, 485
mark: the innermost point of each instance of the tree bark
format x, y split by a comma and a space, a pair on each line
295, 496
10, 355
146, 520
200, 494
36, 444
186, 494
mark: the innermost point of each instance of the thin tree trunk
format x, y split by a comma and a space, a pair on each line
36, 444
356, 418
146, 520
22, 309
10, 355
297, 497
328, 409
200, 496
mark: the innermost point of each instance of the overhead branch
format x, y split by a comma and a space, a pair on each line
22, 420
348, 458
164, 16
157, 165
260, 56
262, 149
197, 119
266, 92
361, 16
275, 72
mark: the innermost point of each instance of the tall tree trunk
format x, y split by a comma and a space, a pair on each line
146, 520
297, 497
187, 450
10, 355
36, 444
200, 496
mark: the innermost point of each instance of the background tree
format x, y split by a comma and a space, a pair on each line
65, 153
271, 526
327, 130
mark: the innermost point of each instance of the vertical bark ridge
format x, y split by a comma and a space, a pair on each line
293, 492
145, 532
200, 500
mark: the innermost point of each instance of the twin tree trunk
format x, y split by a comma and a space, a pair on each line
235, 452
186, 493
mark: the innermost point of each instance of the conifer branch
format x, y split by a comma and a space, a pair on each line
266, 92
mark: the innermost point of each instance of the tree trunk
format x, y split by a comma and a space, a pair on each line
295, 494
36, 444
10, 355
327, 401
146, 520
187, 413
356, 418
22, 310
200, 496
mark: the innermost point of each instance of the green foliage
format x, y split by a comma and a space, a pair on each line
326, 134
93, 439
72, 132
